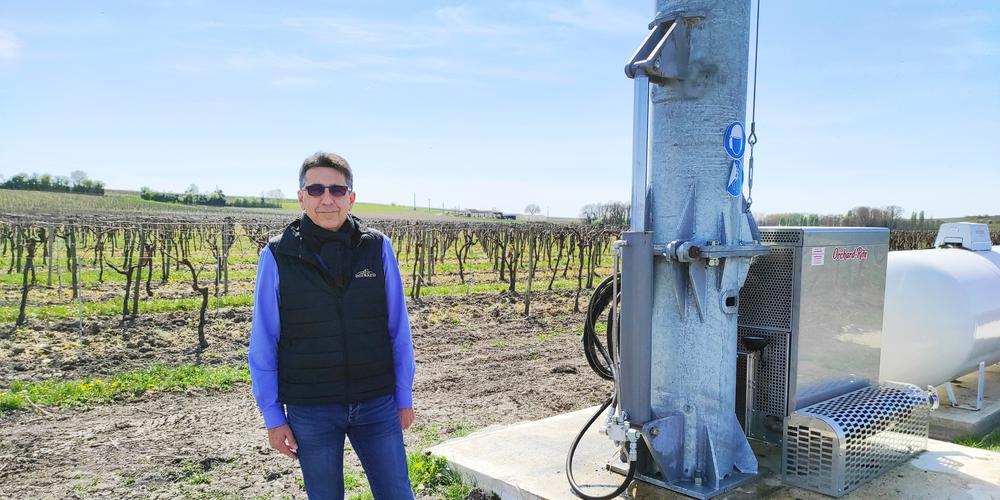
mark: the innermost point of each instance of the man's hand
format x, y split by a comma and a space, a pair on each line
281, 439
406, 417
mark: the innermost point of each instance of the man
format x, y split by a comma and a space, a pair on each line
330, 340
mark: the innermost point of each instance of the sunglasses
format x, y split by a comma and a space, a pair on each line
335, 189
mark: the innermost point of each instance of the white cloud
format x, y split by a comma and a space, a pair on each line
295, 82
442, 27
597, 15
437, 46
963, 36
460, 20
269, 60
10, 46
356, 32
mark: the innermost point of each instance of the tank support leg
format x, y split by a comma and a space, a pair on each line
979, 391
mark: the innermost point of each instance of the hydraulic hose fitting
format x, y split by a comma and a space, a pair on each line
633, 445
932, 398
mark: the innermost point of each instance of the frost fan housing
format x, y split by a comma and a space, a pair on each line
815, 304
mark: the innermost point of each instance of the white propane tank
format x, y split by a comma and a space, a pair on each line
942, 314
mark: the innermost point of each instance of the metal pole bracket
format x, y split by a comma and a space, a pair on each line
741, 250
687, 251
665, 52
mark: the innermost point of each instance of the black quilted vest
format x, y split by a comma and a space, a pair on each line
334, 345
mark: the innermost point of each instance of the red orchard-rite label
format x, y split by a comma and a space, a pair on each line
859, 253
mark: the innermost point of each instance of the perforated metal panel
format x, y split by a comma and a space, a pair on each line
771, 393
809, 455
790, 237
766, 296
837, 445
766, 311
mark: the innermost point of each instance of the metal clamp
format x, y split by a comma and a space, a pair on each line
689, 251
665, 52
740, 250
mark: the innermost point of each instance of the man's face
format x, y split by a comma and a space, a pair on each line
327, 211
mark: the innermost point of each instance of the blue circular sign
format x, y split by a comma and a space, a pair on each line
735, 140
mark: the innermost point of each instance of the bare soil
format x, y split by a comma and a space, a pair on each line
479, 362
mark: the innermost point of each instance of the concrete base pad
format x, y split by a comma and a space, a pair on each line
527, 460
949, 423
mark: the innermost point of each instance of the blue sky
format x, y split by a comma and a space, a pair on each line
491, 104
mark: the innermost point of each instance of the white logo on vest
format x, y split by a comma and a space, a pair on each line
365, 273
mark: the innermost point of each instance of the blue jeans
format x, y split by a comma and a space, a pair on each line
376, 436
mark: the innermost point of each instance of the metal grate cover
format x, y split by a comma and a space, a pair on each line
771, 377
791, 237
766, 296
839, 444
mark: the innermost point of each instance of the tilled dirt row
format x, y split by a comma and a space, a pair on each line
479, 362
101, 346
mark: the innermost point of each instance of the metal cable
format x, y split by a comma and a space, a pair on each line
752, 138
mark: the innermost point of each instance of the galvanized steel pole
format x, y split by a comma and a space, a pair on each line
694, 318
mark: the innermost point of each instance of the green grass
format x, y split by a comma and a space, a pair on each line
993, 221
156, 305
89, 277
430, 473
86, 488
22, 201
989, 442
352, 480
386, 211
193, 474
430, 435
600, 328
45, 202
114, 307
546, 335
122, 386
494, 286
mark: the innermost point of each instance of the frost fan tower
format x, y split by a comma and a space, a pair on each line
689, 246
684, 261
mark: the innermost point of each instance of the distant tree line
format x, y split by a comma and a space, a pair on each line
251, 202
216, 198
615, 213
77, 182
889, 216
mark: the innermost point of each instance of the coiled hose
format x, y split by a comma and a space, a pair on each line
597, 355
599, 359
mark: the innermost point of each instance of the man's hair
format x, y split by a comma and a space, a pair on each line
328, 160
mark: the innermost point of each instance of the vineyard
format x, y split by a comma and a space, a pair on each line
78, 267
144, 316
122, 308
51, 269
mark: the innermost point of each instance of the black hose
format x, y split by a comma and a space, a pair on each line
597, 355
600, 361
569, 463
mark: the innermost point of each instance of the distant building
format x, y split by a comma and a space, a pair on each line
483, 214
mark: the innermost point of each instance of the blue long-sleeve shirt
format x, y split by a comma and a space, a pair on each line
265, 330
